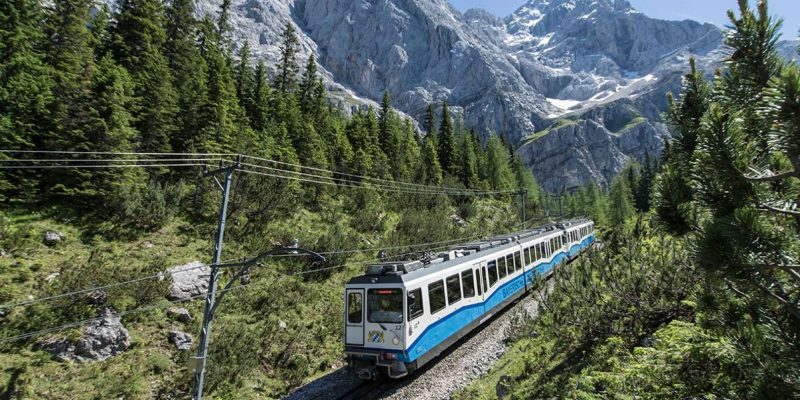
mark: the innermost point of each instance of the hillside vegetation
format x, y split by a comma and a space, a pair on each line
699, 298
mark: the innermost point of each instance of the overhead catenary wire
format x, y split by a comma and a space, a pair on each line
393, 187
121, 314
367, 178
114, 153
357, 180
359, 186
110, 160
196, 297
21, 167
163, 274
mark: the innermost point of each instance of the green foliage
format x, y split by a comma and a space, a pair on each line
288, 68
498, 168
448, 149
26, 83
612, 326
730, 183
139, 40
620, 201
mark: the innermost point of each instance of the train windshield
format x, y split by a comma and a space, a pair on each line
385, 305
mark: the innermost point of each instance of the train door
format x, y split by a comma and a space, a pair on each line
354, 320
476, 272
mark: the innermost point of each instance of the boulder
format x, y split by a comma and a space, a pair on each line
502, 387
188, 280
181, 340
179, 314
51, 238
147, 244
52, 277
101, 339
458, 221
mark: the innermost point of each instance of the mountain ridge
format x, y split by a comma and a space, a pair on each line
515, 76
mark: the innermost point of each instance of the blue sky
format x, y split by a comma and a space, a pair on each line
701, 10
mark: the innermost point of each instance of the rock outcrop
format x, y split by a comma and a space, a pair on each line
101, 339
179, 314
51, 238
181, 340
188, 280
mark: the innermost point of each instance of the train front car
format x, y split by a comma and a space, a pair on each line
376, 305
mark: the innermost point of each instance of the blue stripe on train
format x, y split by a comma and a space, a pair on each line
440, 330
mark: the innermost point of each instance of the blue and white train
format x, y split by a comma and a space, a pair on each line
401, 315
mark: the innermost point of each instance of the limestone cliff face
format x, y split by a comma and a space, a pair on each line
588, 61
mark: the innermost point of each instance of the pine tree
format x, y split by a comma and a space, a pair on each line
245, 81
429, 124
673, 190
448, 150
742, 216
286, 81
139, 47
224, 124
389, 137
594, 201
224, 25
71, 56
410, 152
525, 181
642, 194
620, 202
469, 162
430, 172
498, 165
25, 88
259, 112
189, 72
308, 87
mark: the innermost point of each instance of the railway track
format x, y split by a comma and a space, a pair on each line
368, 390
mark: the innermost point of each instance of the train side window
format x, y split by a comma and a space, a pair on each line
510, 264
355, 305
479, 281
517, 261
468, 284
415, 307
501, 268
492, 273
485, 281
453, 289
436, 298
527, 255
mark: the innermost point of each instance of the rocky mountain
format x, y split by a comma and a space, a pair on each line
577, 85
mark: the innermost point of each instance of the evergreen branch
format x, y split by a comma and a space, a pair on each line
785, 303
775, 266
771, 178
766, 207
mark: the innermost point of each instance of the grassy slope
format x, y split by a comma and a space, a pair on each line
253, 356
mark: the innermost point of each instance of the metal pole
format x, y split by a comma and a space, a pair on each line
202, 350
523, 193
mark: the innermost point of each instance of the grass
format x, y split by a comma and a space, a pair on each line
630, 125
252, 355
554, 127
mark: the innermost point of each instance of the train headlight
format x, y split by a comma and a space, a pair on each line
395, 341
